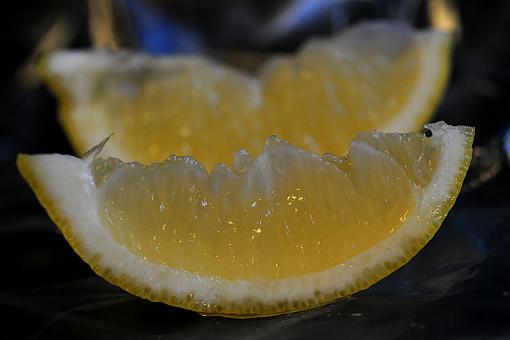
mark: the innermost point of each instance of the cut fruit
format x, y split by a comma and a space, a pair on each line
383, 76
286, 231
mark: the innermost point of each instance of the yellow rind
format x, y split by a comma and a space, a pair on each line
426, 110
440, 85
252, 307
65, 107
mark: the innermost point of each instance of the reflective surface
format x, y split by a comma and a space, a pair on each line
457, 287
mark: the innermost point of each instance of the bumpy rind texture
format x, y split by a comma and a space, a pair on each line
64, 186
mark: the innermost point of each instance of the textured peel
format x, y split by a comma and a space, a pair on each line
65, 186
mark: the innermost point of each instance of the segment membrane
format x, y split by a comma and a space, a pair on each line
286, 213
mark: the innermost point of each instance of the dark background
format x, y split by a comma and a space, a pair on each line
457, 287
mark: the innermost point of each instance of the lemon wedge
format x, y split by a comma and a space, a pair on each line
381, 75
285, 231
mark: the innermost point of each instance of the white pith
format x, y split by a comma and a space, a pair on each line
69, 184
405, 120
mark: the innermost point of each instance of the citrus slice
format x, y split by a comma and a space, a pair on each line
379, 75
286, 231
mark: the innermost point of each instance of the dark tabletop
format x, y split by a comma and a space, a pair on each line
457, 287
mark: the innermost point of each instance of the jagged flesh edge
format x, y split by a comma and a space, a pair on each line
74, 211
68, 63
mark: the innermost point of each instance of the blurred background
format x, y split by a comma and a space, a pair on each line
458, 287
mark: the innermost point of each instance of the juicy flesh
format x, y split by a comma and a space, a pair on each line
209, 111
285, 214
